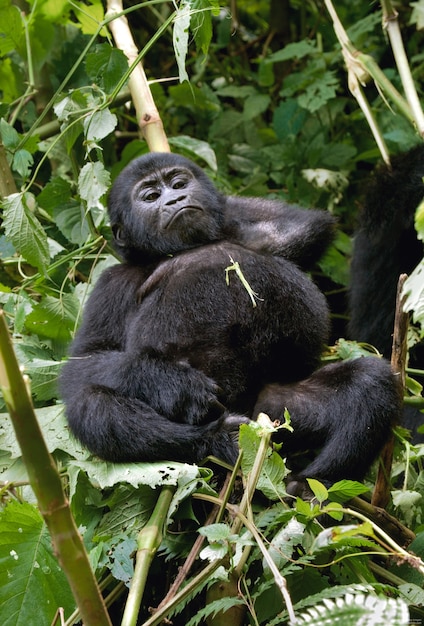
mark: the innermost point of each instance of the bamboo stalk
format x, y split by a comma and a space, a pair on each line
148, 116
47, 486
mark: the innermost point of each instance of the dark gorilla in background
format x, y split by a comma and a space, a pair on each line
386, 246
175, 352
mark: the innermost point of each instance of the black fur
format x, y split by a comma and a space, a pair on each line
386, 246
170, 359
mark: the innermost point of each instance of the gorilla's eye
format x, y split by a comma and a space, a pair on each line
179, 184
151, 196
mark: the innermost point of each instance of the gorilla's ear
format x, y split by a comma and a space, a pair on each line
118, 235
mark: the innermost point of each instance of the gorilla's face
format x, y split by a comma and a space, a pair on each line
161, 204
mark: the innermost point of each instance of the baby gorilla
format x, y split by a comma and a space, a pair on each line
210, 320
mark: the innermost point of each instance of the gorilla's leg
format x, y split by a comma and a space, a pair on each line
345, 409
126, 408
120, 429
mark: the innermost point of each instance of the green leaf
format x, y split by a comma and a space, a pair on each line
32, 585
8, 81
323, 89
412, 593
24, 230
273, 472
201, 22
152, 474
54, 194
54, 318
55, 10
93, 183
121, 555
289, 119
180, 38
55, 432
90, 17
195, 148
9, 136
284, 543
255, 105
236, 91
296, 50
417, 16
318, 489
99, 125
305, 509
345, 490
129, 509
219, 607
44, 376
216, 532
334, 510
12, 32
335, 262
22, 162
70, 219
105, 66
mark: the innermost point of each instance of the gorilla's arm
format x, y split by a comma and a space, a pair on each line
274, 227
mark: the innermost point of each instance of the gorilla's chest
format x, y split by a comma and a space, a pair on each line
232, 313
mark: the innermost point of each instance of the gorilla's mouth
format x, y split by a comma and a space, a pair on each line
170, 219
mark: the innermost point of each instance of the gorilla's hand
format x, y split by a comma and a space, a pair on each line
222, 437
175, 389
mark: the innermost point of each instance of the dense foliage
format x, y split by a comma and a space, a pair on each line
259, 98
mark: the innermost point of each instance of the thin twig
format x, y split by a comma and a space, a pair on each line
381, 494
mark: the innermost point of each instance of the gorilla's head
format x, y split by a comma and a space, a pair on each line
161, 204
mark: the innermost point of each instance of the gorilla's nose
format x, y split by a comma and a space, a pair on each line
175, 200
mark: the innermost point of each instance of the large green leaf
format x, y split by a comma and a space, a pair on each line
99, 125
180, 38
11, 29
93, 183
32, 585
271, 480
71, 221
24, 230
105, 66
54, 318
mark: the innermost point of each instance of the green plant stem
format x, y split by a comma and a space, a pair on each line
356, 76
411, 370
391, 24
47, 486
253, 477
279, 579
384, 84
412, 559
229, 489
417, 402
148, 542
